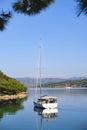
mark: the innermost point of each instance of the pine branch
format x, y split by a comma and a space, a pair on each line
82, 7
4, 18
31, 7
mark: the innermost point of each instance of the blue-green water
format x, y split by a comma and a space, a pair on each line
72, 112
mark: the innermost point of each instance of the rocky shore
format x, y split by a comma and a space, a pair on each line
19, 95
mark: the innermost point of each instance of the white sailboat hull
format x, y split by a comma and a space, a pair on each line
45, 104
50, 105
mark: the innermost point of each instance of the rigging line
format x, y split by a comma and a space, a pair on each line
40, 60
39, 72
37, 78
40, 65
36, 86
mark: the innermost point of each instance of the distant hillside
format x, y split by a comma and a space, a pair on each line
31, 82
9, 85
67, 83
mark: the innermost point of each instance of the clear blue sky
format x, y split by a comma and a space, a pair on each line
64, 38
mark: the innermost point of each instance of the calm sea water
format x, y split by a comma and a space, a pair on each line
71, 113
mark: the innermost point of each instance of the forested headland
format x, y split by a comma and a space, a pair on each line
10, 86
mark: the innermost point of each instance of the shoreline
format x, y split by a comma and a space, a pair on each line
15, 96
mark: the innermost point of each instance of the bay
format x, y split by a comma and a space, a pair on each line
71, 113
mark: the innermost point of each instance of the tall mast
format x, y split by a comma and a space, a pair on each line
40, 66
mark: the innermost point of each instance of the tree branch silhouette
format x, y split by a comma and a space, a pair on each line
33, 7
4, 19
81, 7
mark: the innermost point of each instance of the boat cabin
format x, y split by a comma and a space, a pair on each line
47, 99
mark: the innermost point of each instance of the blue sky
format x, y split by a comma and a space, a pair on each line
64, 51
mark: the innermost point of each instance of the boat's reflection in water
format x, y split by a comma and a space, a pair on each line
43, 116
47, 113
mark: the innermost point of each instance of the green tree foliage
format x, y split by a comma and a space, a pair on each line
9, 85
31, 7
82, 7
4, 19
67, 83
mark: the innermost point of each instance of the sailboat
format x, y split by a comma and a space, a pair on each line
44, 101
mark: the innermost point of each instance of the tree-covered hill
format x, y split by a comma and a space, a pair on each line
67, 83
9, 85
